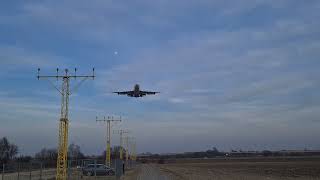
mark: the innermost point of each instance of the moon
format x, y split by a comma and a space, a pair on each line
116, 53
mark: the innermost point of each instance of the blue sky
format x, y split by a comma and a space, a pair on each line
232, 74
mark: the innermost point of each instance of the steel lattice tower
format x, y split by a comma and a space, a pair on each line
108, 150
132, 148
62, 161
121, 132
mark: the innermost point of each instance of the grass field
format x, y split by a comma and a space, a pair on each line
232, 169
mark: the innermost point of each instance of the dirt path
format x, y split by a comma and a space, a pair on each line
150, 172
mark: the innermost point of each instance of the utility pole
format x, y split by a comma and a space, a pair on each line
121, 132
64, 121
108, 150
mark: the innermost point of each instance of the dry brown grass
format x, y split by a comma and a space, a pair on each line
230, 169
244, 169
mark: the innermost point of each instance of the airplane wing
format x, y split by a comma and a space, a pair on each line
148, 92
129, 93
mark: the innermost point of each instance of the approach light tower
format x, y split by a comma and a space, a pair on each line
64, 121
121, 132
108, 151
134, 150
128, 142
132, 143
127, 147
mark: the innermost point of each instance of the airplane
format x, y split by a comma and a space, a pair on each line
136, 92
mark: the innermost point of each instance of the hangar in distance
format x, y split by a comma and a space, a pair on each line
136, 92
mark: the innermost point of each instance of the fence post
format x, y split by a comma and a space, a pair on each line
95, 169
78, 169
30, 171
18, 170
3, 171
41, 171
68, 168
119, 168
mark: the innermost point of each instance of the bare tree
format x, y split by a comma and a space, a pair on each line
74, 152
7, 150
47, 154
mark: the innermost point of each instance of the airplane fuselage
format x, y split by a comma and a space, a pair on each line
136, 91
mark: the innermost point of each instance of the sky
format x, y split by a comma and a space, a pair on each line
232, 74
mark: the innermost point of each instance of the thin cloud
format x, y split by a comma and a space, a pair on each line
219, 70
17, 57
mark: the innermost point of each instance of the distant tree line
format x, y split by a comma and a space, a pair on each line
115, 153
211, 153
51, 154
48, 156
214, 152
9, 152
